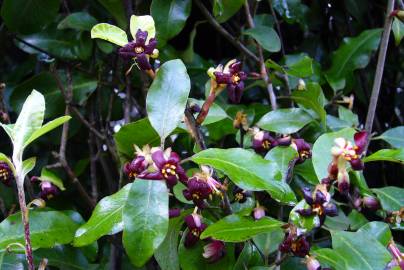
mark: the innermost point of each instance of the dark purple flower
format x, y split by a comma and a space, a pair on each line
167, 167
174, 212
284, 141
48, 190
135, 167
197, 190
241, 195
214, 251
371, 203
299, 246
232, 76
351, 153
195, 228
139, 50
302, 148
263, 141
6, 174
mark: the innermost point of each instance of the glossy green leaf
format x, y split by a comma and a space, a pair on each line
338, 223
360, 252
247, 170
28, 165
356, 220
48, 228
215, 114
305, 223
235, 228
378, 230
353, 54
248, 257
105, 219
398, 30
312, 98
27, 17
63, 257
51, 125
170, 17
117, 10
269, 242
285, 121
391, 198
266, 37
109, 33
292, 11
11, 261
137, 133
299, 65
321, 154
29, 120
394, 136
393, 155
167, 97
49, 176
282, 156
306, 170
331, 258
348, 116
225, 9
81, 21
145, 219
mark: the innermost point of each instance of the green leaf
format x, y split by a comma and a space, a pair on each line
48, 228
269, 242
49, 176
167, 97
331, 258
312, 98
4, 158
353, 54
27, 17
235, 228
105, 219
247, 170
109, 33
81, 21
291, 10
305, 223
356, 220
299, 65
170, 17
321, 154
282, 156
378, 230
225, 9
145, 219
144, 23
215, 114
29, 120
393, 155
28, 165
391, 198
394, 136
63, 257
266, 37
348, 116
51, 125
248, 257
137, 133
398, 30
11, 261
306, 170
117, 10
338, 223
360, 252
285, 121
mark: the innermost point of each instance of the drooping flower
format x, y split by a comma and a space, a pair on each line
230, 76
241, 195
6, 174
294, 242
319, 202
259, 212
302, 148
165, 166
263, 141
371, 203
195, 228
48, 190
214, 251
140, 163
313, 264
139, 50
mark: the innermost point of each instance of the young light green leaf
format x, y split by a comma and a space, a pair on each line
393, 155
215, 114
285, 121
235, 228
28, 165
105, 219
29, 120
9, 129
144, 23
167, 97
248, 170
394, 136
282, 156
49, 176
266, 37
145, 219
109, 33
225, 9
398, 30
47, 128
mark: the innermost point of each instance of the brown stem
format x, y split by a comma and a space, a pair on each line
236, 43
205, 108
4, 117
194, 130
379, 70
25, 221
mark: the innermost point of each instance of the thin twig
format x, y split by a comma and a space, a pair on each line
4, 117
236, 43
379, 69
193, 129
278, 26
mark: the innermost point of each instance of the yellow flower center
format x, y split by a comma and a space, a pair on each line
168, 170
139, 49
235, 78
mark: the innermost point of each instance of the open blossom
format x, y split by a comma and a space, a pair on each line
294, 242
195, 228
319, 202
214, 251
241, 195
263, 141
139, 50
48, 190
140, 163
302, 148
6, 174
232, 77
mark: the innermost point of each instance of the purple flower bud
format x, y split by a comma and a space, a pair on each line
6, 174
284, 141
302, 148
48, 190
371, 202
195, 228
356, 164
175, 212
360, 139
262, 142
214, 251
312, 264
259, 212
135, 167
